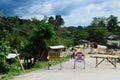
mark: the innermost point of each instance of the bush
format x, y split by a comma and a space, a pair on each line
4, 49
40, 64
4, 67
14, 68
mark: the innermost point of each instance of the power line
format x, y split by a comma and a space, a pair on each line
15, 28
10, 25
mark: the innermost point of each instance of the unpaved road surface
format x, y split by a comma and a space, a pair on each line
105, 71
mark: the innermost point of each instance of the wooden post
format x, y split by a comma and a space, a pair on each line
19, 59
74, 64
60, 59
96, 62
48, 65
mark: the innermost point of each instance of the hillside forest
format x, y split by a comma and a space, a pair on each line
31, 37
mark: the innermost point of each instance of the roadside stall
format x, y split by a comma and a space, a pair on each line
102, 57
54, 53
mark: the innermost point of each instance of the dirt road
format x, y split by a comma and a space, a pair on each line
105, 71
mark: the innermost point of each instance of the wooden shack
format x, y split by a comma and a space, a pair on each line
54, 54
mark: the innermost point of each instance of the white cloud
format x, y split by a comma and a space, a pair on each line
40, 17
83, 15
74, 12
45, 8
41, 9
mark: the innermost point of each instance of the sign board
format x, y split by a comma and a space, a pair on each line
54, 55
79, 56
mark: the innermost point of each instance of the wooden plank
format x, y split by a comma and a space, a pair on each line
107, 57
104, 56
97, 63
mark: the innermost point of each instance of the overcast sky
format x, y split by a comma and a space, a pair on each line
74, 12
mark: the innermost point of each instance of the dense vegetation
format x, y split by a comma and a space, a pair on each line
31, 37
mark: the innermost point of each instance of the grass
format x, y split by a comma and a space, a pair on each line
38, 65
0, 76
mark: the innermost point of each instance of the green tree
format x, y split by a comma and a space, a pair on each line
97, 34
112, 24
51, 20
80, 34
4, 50
38, 42
100, 21
57, 21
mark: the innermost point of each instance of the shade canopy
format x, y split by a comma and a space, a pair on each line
113, 36
57, 47
11, 55
102, 46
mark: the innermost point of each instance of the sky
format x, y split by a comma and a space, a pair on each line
74, 12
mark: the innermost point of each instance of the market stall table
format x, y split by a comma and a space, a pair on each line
110, 58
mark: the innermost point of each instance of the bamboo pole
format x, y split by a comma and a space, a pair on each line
19, 59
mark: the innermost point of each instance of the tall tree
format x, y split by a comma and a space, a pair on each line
101, 21
112, 24
97, 34
38, 42
57, 21
80, 34
51, 20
